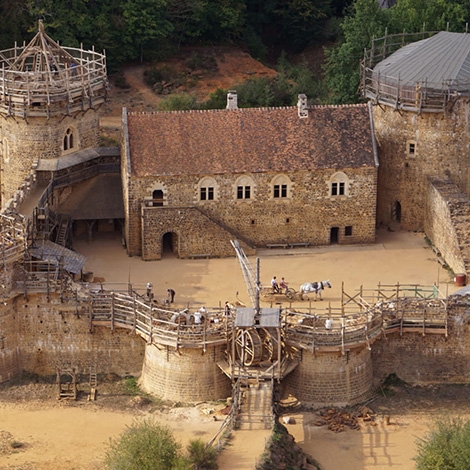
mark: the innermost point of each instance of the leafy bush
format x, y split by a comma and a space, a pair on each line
446, 447
201, 456
144, 445
164, 73
202, 61
178, 103
131, 386
217, 99
120, 81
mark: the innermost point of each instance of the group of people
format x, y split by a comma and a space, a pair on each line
279, 287
149, 293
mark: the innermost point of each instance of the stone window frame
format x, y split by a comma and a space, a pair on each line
244, 189
339, 185
149, 201
279, 184
207, 190
411, 148
348, 231
70, 140
6, 150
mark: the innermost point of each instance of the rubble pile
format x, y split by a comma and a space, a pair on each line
338, 420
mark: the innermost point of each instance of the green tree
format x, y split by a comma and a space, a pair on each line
342, 66
146, 23
446, 447
144, 445
301, 21
201, 456
434, 15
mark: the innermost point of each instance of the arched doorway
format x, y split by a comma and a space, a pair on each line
396, 212
170, 244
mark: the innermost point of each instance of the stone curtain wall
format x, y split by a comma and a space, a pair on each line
441, 149
41, 336
306, 217
331, 378
187, 375
419, 359
38, 138
447, 223
9, 357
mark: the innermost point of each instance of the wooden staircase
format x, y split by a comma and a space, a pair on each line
62, 231
256, 405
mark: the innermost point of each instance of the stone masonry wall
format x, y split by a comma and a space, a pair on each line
447, 223
196, 233
307, 216
24, 142
331, 378
431, 358
186, 375
47, 335
9, 363
442, 145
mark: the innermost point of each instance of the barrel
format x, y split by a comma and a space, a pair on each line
460, 280
87, 276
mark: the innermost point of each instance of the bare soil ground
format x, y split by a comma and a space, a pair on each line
232, 66
73, 435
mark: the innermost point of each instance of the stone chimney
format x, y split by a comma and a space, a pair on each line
302, 106
232, 101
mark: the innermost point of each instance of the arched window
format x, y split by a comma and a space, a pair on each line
68, 139
157, 198
207, 189
244, 188
281, 187
339, 185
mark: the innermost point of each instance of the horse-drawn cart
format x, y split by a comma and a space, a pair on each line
269, 294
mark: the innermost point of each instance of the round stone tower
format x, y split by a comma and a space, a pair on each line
420, 89
49, 97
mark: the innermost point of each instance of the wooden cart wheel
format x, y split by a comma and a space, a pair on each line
249, 347
266, 293
290, 294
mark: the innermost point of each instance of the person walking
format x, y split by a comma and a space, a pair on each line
148, 291
171, 295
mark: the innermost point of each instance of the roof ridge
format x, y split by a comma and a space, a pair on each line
244, 110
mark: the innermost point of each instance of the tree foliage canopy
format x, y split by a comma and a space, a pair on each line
130, 30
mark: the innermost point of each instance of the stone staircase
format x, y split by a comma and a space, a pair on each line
256, 410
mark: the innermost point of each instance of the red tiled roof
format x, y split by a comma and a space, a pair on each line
249, 140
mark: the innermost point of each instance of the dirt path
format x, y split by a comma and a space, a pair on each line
233, 66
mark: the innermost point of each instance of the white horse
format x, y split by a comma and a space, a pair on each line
315, 287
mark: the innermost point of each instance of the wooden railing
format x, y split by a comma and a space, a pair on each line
333, 332
418, 96
155, 324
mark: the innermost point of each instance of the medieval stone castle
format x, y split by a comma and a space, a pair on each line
189, 182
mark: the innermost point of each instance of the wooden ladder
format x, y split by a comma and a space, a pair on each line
93, 383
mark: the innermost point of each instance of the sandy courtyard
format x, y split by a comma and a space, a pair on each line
73, 437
